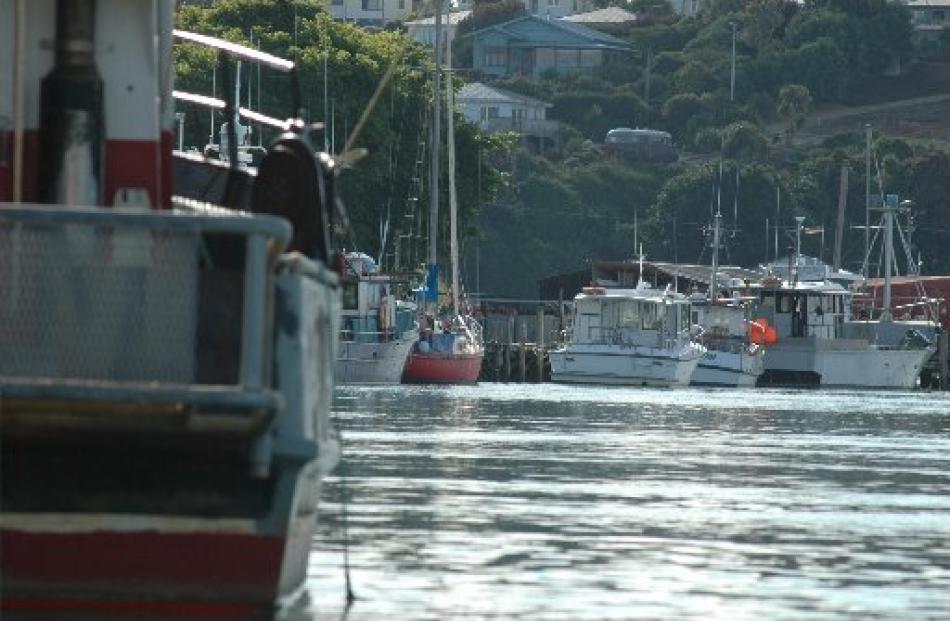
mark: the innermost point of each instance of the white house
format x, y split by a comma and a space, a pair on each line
544, 8
497, 110
423, 30
370, 12
686, 8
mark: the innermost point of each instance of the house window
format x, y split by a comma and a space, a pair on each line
402, 5
490, 112
495, 57
371, 5
590, 58
553, 2
566, 58
337, 2
939, 15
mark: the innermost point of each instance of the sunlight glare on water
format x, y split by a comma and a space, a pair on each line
551, 502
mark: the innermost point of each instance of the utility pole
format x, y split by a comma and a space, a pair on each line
732, 74
646, 79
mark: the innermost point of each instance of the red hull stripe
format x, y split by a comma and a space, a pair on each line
442, 369
128, 164
153, 565
176, 610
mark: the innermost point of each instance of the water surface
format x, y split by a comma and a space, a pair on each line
537, 502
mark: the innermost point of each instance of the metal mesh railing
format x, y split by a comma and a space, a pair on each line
100, 294
86, 302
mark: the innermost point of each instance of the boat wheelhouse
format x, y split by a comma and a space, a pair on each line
639, 337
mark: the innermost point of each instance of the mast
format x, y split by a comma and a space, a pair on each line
798, 245
436, 139
713, 277
867, 199
889, 208
453, 201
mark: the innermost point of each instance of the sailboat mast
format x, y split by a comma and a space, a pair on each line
714, 277
453, 200
436, 139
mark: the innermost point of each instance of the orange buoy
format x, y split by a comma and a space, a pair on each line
758, 330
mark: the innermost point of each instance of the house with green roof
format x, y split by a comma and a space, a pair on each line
532, 45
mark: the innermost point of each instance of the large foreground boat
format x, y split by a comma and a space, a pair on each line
637, 337
166, 366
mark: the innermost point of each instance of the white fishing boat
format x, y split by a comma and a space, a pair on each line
637, 337
819, 344
731, 358
378, 329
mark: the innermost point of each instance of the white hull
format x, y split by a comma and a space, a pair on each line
373, 363
836, 364
633, 366
723, 368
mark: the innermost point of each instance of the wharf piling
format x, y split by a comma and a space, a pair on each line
521, 362
518, 336
943, 352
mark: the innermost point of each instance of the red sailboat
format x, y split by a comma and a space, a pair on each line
450, 349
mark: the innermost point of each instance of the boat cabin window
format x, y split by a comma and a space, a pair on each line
648, 317
784, 303
630, 315
349, 295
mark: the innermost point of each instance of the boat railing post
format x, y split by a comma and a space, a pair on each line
540, 344
252, 335
522, 354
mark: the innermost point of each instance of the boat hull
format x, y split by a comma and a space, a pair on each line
373, 363
842, 363
216, 563
442, 368
723, 368
623, 366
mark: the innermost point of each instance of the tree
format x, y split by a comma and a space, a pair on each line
379, 186
794, 103
762, 19
744, 142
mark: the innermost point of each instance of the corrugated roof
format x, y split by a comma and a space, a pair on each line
928, 4
476, 91
610, 15
576, 29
